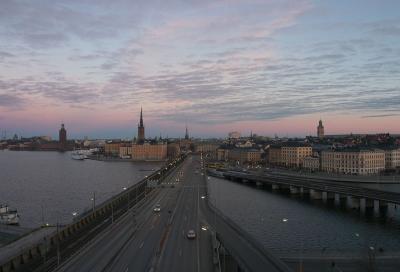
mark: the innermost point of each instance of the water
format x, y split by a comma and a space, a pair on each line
47, 187
312, 227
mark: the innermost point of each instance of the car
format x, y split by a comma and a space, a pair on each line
191, 234
157, 208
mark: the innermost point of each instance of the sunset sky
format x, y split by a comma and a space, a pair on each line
266, 66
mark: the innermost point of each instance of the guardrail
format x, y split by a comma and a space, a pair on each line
66, 240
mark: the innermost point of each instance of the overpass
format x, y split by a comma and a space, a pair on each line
318, 187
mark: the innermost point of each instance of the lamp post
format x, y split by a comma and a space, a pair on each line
370, 251
93, 199
285, 220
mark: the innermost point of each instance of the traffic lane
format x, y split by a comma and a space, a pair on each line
175, 251
100, 251
204, 235
189, 246
179, 253
146, 242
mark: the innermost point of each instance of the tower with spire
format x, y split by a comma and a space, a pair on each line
320, 130
186, 134
141, 137
62, 138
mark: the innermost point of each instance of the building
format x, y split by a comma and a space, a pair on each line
244, 155
112, 148
62, 138
274, 155
293, 154
206, 147
392, 158
289, 154
234, 135
150, 152
320, 130
353, 161
141, 134
173, 150
311, 163
186, 134
222, 154
125, 151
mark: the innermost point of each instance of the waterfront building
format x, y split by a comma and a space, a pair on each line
244, 155
141, 134
289, 154
150, 152
274, 155
62, 138
320, 130
173, 150
111, 148
353, 161
125, 150
311, 163
293, 154
392, 158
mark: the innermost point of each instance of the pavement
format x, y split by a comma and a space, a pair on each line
144, 240
180, 253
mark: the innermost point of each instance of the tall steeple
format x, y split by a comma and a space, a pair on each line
141, 137
141, 117
186, 134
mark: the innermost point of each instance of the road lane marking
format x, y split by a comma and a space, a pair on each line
141, 245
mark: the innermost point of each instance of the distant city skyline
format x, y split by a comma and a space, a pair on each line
271, 67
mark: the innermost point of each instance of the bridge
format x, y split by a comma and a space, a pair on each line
125, 234
317, 188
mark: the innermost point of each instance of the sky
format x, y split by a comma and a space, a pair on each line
271, 67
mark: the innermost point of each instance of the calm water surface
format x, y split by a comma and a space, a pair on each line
312, 226
47, 187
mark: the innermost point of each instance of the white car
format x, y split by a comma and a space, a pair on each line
157, 208
191, 234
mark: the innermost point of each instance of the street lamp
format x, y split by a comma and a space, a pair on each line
93, 199
285, 220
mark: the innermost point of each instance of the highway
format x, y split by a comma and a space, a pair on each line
132, 242
144, 240
182, 254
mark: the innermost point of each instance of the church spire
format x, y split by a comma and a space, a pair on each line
141, 118
186, 133
141, 136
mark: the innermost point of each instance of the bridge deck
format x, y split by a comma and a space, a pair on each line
320, 185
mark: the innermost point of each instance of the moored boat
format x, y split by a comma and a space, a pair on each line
7, 216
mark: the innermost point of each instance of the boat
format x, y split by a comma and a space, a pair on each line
7, 216
78, 155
